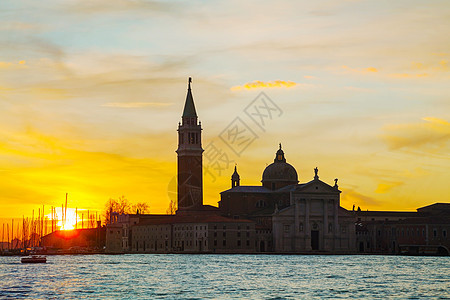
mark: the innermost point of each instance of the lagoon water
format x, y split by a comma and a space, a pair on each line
153, 276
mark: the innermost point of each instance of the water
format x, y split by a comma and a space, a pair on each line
153, 276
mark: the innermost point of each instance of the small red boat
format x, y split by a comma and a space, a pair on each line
34, 259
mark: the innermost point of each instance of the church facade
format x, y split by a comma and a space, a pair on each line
290, 216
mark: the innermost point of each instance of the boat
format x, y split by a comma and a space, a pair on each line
33, 259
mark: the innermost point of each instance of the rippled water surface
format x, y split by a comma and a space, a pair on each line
152, 276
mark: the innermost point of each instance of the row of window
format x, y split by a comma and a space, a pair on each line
152, 246
150, 237
225, 227
287, 228
151, 228
224, 234
189, 234
201, 227
189, 243
238, 243
411, 232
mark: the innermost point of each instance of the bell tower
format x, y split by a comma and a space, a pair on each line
189, 152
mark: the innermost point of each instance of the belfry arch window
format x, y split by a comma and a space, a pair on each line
261, 203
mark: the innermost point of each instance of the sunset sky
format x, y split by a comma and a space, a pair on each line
91, 93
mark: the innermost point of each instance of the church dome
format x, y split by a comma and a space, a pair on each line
280, 170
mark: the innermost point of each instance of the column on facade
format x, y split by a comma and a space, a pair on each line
296, 225
336, 224
307, 226
325, 223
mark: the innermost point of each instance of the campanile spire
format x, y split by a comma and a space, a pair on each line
189, 107
190, 179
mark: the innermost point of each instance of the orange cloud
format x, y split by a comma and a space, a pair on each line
267, 84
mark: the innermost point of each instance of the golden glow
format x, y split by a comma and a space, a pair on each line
69, 222
136, 104
265, 84
348, 69
98, 120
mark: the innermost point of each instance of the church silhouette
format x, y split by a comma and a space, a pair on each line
282, 215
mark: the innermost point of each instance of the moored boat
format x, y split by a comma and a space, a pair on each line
34, 259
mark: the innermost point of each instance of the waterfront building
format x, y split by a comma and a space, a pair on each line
193, 234
422, 232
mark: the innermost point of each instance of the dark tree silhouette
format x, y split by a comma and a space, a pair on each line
171, 210
123, 206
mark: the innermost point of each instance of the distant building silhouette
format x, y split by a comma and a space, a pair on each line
424, 232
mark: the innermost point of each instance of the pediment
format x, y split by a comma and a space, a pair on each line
316, 186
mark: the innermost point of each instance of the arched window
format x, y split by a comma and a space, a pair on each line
261, 203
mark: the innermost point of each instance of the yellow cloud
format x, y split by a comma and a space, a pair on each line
48, 93
265, 84
434, 134
38, 169
386, 186
5, 64
136, 104
360, 70
441, 66
358, 89
408, 75
350, 197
